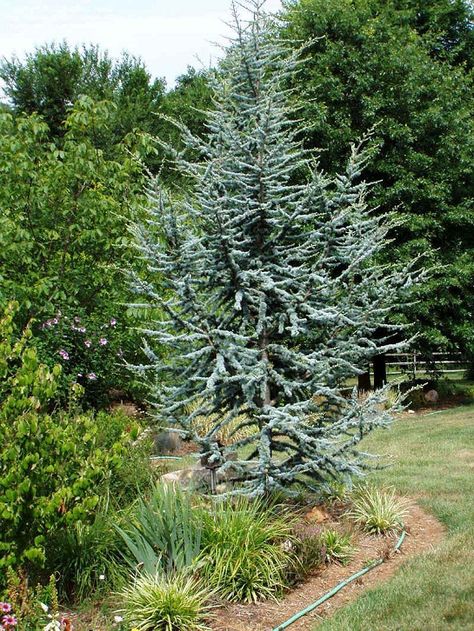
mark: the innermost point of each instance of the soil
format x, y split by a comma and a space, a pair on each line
424, 532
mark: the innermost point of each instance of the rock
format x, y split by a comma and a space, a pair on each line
195, 477
317, 515
431, 396
168, 442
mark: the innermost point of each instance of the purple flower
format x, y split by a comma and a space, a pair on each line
82, 329
92, 376
87, 343
103, 341
5, 607
64, 354
54, 321
9, 621
77, 319
113, 322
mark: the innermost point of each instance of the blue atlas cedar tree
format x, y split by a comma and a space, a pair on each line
269, 293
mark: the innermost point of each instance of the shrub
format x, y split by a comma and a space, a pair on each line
245, 551
378, 511
64, 236
164, 534
336, 547
88, 348
158, 603
51, 467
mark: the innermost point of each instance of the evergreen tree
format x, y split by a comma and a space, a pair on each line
270, 293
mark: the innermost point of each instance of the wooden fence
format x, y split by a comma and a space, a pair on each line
414, 364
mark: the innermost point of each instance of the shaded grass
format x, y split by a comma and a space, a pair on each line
433, 461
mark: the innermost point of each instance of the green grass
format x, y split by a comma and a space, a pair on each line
432, 458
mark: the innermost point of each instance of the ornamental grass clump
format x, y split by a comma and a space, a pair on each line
378, 511
336, 547
246, 551
159, 603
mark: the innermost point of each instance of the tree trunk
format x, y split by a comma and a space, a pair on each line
380, 371
363, 381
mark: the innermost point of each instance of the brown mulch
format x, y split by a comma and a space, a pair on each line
424, 532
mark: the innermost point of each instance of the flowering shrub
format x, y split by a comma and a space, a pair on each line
51, 464
89, 350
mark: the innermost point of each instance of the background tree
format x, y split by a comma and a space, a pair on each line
63, 235
53, 77
271, 294
404, 66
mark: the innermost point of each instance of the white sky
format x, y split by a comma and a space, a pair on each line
168, 35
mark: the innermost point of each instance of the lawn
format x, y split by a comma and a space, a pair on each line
433, 460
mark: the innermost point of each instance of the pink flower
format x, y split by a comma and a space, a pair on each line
103, 341
5, 607
9, 621
87, 343
64, 354
92, 376
113, 322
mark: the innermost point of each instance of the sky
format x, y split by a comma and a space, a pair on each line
168, 35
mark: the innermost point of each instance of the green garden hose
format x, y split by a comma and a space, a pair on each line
336, 589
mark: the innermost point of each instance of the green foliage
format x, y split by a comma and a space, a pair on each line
63, 237
89, 350
174, 603
307, 556
405, 67
245, 551
50, 464
336, 547
164, 533
379, 511
54, 77
85, 557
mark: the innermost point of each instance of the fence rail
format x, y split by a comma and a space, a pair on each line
417, 363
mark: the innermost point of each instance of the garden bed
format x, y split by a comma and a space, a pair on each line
424, 531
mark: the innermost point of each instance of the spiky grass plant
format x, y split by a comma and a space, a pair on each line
245, 550
378, 511
336, 547
159, 603
164, 534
